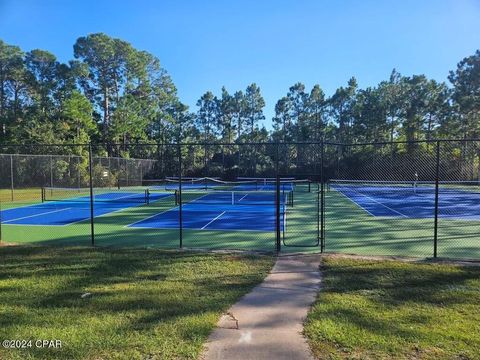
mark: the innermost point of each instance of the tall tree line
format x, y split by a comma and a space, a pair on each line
111, 92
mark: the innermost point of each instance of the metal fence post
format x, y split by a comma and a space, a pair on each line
0, 221
322, 198
90, 173
11, 177
435, 229
277, 201
180, 215
126, 172
51, 171
110, 174
79, 161
277, 213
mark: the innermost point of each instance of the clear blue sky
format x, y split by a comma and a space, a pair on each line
275, 43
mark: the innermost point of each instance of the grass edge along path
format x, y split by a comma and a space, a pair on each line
374, 309
143, 303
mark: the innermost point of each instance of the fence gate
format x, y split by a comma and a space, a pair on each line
300, 212
300, 185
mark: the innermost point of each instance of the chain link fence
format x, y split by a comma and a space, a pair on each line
401, 198
22, 173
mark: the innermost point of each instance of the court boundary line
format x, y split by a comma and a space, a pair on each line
119, 198
88, 198
185, 206
35, 215
51, 225
243, 197
440, 216
149, 217
378, 202
211, 221
388, 207
119, 210
77, 221
353, 201
22, 206
163, 212
131, 226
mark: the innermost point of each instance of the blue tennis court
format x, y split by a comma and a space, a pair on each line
236, 211
410, 203
73, 210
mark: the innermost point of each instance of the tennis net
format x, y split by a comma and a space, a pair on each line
264, 180
287, 184
99, 195
205, 183
236, 197
208, 183
403, 187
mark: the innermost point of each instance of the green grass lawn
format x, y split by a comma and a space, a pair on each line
395, 310
144, 304
18, 195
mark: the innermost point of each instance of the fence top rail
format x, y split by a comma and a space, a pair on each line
430, 141
76, 156
318, 142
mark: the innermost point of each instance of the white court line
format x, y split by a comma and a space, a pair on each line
356, 203
107, 213
378, 202
213, 220
201, 197
87, 199
243, 197
388, 207
33, 204
31, 216
104, 214
107, 199
42, 225
73, 222
149, 217
162, 212
176, 208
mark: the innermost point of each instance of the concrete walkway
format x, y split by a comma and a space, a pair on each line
270, 318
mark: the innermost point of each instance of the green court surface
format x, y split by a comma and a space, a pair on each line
348, 229
111, 230
351, 229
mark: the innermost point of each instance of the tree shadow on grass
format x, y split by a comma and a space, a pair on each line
122, 280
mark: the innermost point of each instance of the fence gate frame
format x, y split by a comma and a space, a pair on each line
318, 191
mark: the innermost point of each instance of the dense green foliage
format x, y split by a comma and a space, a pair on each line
393, 310
114, 93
